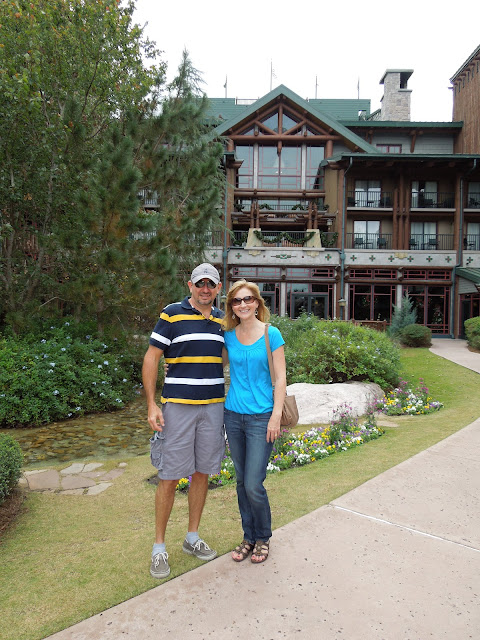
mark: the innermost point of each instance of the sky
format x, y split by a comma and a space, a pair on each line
318, 48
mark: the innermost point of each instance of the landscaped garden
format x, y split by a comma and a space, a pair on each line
68, 557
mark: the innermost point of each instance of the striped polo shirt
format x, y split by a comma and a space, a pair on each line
192, 346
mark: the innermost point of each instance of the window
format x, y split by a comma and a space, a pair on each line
367, 193
314, 178
424, 194
365, 233
390, 148
245, 172
372, 302
423, 235
279, 170
474, 195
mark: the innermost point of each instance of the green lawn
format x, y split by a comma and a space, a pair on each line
69, 557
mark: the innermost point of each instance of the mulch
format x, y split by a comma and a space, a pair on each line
10, 509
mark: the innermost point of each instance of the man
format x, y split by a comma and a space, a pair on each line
188, 435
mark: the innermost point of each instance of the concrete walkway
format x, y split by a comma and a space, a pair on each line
396, 558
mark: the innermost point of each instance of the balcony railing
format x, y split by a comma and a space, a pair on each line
473, 201
149, 198
471, 242
433, 200
369, 241
275, 238
431, 242
368, 199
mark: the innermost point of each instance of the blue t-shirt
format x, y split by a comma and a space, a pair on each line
250, 383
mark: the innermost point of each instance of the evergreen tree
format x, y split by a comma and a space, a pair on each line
403, 315
70, 70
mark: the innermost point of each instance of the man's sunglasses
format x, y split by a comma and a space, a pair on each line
201, 283
247, 299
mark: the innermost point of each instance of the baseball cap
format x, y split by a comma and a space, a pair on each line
205, 270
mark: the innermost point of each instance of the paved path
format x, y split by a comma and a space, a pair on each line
396, 558
457, 351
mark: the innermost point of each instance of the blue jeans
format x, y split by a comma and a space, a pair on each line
250, 451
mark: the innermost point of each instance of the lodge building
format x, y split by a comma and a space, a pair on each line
337, 211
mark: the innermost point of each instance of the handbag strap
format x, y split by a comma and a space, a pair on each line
269, 356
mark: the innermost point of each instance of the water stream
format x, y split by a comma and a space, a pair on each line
125, 432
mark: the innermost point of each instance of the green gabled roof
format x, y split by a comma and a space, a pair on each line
341, 109
401, 124
224, 108
469, 274
325, 118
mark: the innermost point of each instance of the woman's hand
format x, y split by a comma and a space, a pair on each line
273, 429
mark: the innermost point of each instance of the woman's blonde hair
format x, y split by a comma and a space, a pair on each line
231, 319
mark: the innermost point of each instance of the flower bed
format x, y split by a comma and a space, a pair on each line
405, 400
299, 449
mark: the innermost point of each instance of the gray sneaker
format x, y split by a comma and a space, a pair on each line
159, 568
199, 549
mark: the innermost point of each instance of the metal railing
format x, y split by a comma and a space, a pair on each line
433, 200
368, 199
431, 242
471, 242
149, 198
473, 201
369, 241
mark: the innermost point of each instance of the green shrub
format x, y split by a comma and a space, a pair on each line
472, 332
11, 459
403, 315
321, 352
415, 335
61, 374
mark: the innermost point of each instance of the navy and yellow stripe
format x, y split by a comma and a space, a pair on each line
192, 346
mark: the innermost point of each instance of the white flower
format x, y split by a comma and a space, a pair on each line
105, 362
56, 392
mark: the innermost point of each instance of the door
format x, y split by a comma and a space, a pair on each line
314, 303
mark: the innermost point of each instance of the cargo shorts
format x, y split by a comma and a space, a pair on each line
193, 439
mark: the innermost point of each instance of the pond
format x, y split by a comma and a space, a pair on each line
125, 432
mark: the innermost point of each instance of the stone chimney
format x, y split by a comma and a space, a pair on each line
396, 95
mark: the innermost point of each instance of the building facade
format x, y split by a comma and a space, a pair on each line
340, 212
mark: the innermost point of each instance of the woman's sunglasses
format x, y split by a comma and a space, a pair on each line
247, 299
201, 283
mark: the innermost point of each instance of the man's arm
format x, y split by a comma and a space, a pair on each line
149, 377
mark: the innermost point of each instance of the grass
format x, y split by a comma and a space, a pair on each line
69, 557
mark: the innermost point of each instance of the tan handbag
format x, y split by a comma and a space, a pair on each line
290, 410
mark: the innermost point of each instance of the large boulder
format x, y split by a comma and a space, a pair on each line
317, 402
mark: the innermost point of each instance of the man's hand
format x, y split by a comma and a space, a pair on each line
155, 418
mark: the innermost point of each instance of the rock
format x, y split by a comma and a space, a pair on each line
92, 466
93, 491
77, 482
76, 467
43, 480
317, 402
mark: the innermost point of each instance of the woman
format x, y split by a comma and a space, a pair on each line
252, 414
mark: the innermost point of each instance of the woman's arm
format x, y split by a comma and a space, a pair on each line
273, 429
224, 357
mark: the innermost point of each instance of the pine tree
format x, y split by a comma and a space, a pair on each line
403, 315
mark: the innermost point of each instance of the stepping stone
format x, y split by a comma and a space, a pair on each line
76, 467
77, 482
93, 491
92, 466
111, 475
43, 480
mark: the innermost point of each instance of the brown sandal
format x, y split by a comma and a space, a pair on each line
261, 551
243, 549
